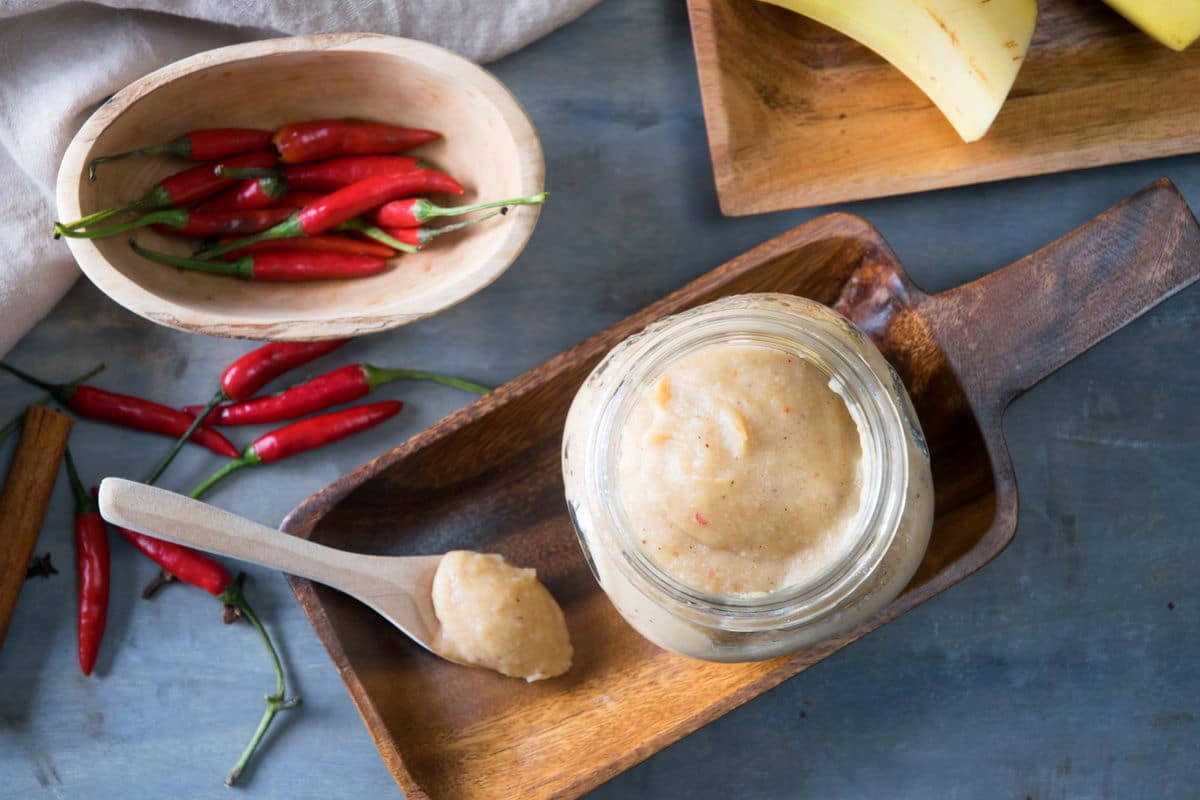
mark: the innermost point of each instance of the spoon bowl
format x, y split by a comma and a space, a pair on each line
398, 588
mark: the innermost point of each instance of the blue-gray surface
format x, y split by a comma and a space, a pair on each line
1064, 669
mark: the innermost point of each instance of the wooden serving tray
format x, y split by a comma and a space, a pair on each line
800, 115
488, 478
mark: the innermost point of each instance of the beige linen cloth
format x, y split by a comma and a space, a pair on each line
59, 60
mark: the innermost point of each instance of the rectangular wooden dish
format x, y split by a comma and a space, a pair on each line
488, 478
800, 115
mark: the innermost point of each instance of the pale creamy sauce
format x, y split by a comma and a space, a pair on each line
498, 616
740, 471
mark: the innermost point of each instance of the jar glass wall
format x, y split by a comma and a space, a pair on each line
746, 586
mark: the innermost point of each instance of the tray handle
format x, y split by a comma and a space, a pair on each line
1006, 331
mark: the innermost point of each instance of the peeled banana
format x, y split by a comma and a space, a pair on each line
1175, 23
964, 54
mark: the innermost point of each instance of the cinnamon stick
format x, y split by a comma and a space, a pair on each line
26, 497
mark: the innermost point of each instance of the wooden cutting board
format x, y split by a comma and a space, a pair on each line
800, 115
489, 478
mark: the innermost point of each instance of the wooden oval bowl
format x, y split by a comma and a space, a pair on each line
489, 144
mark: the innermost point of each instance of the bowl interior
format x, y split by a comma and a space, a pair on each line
398, 83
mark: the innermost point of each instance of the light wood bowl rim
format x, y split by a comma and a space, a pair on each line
129, 293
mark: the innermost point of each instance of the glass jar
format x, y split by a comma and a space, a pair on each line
882, 549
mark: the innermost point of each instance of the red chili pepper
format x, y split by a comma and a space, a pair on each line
277, 265
92, 567
185, 222
328, 243
419, 237
242, 379
298, 200
333, 388
344, 205
127, 411
195, 183
413, 212
350, 201
202, 145
250, 193
326, 138
177, 562
14, 424
326, 176
307, 434
199, 570
181, 562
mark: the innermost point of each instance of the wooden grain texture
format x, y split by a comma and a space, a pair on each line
489, 145
800, 115
488, 478
25, 498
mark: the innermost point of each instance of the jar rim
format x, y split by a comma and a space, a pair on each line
801, 327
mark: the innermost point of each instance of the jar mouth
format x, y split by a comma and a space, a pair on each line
751, 320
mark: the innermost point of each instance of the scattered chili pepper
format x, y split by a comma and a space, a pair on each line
326, 138
40, 567
127, 411
186, 222
202, 145
325, 243
199, 570
195, 183
182, 563
415, 211
92, 566
277, 265
299, 437
250, 193
419, 237
190, 566
14, 424
344, 205
342, 385
243, 378
326, 176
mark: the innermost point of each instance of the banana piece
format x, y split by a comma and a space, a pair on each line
964, 54
1175, 23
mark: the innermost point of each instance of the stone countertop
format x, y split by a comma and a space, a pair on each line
1065, 668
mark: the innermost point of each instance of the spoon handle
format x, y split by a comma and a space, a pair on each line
175, 518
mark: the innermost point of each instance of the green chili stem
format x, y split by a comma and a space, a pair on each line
230, 467
18, 420
241, 268
174, 217
169, 147
426, 211
136, 205
83, 501
378, 234
247, 172
377, 376
276, 702
288, 229
166, 460
53, 389
429, 234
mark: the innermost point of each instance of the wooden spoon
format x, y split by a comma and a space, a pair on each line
399, 588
